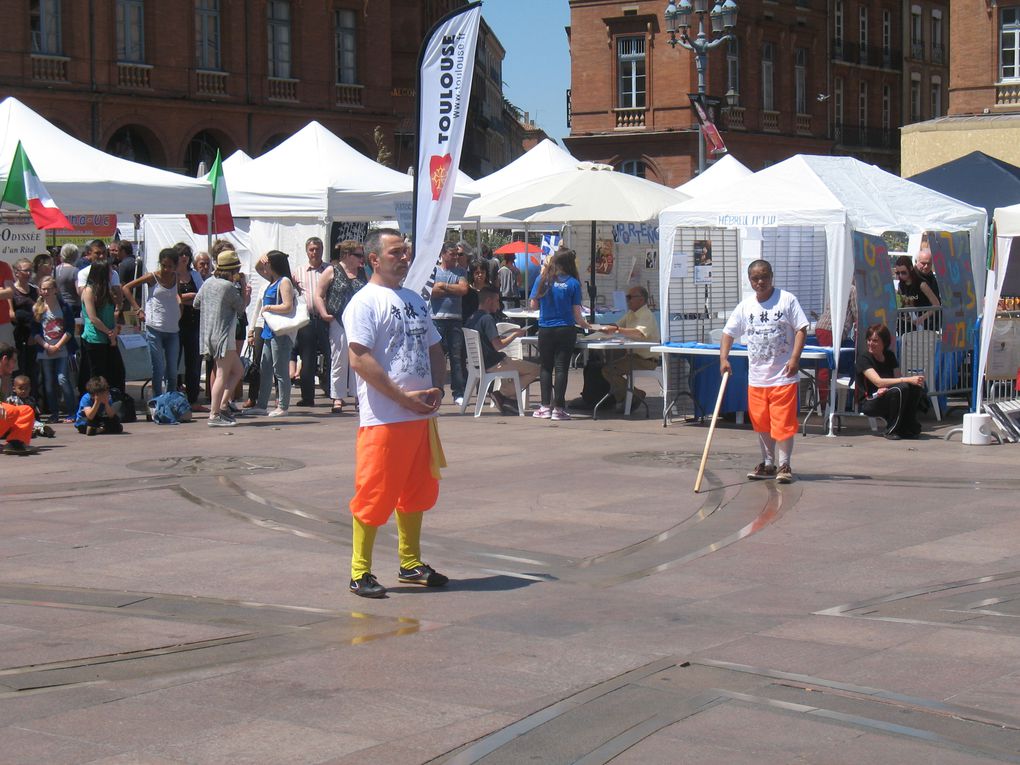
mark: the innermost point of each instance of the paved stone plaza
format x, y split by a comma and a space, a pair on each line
179, 595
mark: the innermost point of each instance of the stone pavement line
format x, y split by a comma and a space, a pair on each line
967, 603
266, 631
598, 724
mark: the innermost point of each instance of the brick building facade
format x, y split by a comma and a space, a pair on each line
805, 81
983, 93
168, 84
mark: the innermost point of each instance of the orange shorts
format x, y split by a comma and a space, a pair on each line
773, 410
393, 472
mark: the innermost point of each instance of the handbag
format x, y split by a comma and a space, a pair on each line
288, 323
339, 293
251, 372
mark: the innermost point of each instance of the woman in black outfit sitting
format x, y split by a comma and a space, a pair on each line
889, 396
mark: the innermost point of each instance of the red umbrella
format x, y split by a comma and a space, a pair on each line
514, 248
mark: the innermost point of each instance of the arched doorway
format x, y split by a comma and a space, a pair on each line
137, 144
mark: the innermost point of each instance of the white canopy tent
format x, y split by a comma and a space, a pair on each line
1005, 270
840, 195
722, 174
82, 179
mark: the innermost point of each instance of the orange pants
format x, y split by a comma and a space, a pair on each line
773, 410
16, 423
393, 471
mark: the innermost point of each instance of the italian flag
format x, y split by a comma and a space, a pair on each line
223, 221
24, 189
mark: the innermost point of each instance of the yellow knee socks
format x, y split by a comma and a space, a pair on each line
361, 556
409, 539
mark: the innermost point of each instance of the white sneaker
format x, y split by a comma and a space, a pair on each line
559, 414
278, 412
542, 413
459, 401
257, 411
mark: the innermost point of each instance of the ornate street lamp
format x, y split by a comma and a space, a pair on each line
722, 20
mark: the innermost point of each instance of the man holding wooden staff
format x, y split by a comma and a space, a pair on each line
776, 329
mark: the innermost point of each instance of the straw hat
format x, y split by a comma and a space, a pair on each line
228, 261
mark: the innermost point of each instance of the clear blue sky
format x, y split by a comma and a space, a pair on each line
536, 70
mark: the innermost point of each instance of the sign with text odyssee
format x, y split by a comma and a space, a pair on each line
445, 70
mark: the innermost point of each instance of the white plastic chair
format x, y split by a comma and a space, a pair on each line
846, 384
479, 381
917, 352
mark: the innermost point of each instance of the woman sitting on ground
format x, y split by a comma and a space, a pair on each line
889, 396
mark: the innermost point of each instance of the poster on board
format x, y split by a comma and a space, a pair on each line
950, 257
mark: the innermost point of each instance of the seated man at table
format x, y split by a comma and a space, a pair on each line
637, 324
492, 350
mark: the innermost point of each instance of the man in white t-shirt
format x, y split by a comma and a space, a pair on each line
96, 253
776, 329
395, 350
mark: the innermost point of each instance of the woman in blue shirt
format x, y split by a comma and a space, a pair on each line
279, 297
557, 296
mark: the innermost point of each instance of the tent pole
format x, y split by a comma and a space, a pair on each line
527, 262
593, 291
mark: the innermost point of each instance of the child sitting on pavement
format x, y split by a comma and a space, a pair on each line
95, 410
15, 420
22, 396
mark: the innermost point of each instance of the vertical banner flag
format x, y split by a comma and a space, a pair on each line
24, 189
445, 70
222, 219
705, 108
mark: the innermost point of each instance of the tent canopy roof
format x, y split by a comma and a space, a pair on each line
976, 179
818, 190
82, 179
722, 174
316, 174
543, 159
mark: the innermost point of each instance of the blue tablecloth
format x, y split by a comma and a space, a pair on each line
706, 378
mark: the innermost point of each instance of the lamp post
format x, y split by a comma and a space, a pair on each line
723, 17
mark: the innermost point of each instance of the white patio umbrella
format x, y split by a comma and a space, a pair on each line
590, 192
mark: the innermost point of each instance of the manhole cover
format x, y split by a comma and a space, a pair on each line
666, 458
215, 465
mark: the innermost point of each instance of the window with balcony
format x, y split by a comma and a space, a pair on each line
278, 38
837, 29
886, 38
916, 33
630, 62
44, 22
131, 31
938, 49
1009, 43
800, 80
207, 34
862, 31
768, 58
346, 34
733, 65
936, 97
633, 167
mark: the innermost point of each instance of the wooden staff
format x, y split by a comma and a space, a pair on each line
711, 431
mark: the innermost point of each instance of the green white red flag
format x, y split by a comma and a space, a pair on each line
24, 189
223, 220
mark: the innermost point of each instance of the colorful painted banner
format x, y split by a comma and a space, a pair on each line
876, 296
950, 255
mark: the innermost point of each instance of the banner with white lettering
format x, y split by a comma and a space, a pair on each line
445, 70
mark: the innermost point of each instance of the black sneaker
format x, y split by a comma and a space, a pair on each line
423, 574
19, 449
48, 432
368, 587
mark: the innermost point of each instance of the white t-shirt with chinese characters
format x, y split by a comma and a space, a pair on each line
396, 326
770, 328
83, 276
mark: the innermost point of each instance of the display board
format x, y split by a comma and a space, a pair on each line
627, 254
798, 258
